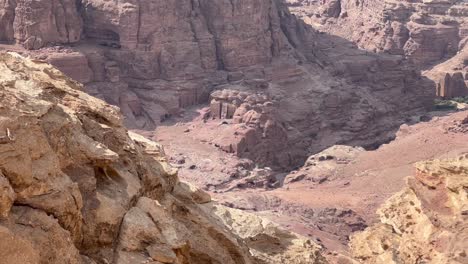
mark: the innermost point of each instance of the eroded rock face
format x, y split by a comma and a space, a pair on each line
325, 165
77, 187
203, 33
452, 85
424, 222
256, 134
451, 76
179, 50
427, 33
7, 196
288, 248
424, 31
36, 24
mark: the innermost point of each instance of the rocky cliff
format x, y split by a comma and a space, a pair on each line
36, 24
451, 76
425, 222
77, 187
425, 32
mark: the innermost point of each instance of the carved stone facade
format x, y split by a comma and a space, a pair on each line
452, 85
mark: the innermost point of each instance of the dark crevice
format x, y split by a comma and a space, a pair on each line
217, 41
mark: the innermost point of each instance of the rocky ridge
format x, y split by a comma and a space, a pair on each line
308, 92
425, 222
77, 187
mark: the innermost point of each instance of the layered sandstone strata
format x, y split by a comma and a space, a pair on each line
451, 76
426, 222
171, 54
36, 24
77, 187
424, 31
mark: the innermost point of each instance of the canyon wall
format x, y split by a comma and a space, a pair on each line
425, 32
155, 59
36, 24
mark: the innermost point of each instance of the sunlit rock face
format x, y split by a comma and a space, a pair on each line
424, 222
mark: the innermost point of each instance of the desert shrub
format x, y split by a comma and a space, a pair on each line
442, 105
461, 99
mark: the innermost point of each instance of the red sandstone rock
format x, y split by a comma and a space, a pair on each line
424, 31
73, 64
452, 86
36, 24
173, 54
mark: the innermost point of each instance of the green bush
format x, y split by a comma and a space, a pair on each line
442, 105
461, 99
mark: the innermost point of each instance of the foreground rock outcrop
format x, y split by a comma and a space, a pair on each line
76, 187
426, 222
285, 247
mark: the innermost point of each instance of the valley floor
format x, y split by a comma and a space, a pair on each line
352, 183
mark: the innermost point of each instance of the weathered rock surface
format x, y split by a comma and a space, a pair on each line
426, 222
179, 50
7, 196
77, 187
255, 133
325, 165
36, 24
286, 247
451, 76
424, 31
452, 85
